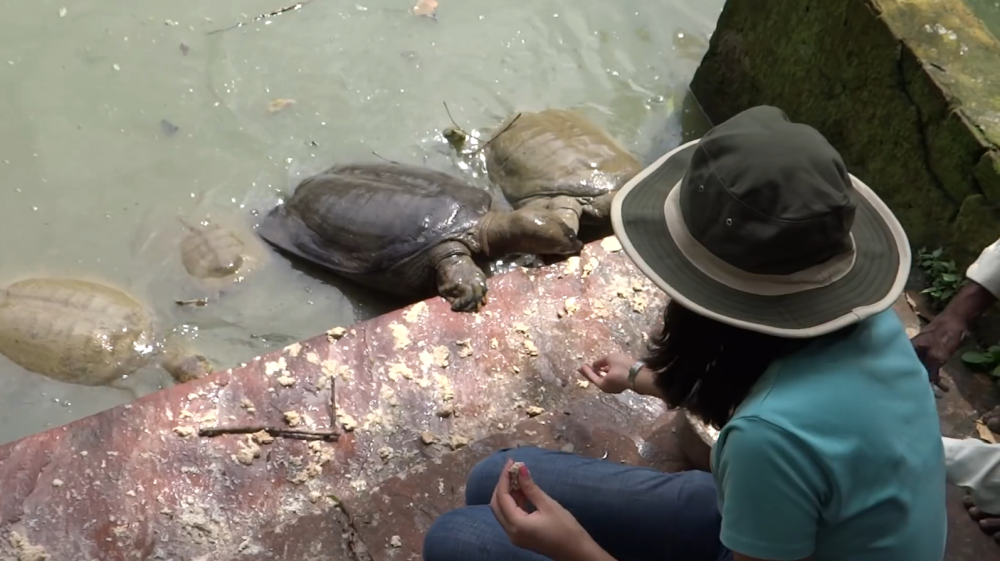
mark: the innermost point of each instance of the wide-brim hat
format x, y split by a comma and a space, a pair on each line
759, 225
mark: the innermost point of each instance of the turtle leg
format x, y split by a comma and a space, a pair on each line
599, 208
568, 209
459, 280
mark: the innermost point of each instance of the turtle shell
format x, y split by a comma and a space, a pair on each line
374, 219
556, 152
73, 330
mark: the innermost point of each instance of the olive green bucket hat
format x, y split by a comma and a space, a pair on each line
759, 225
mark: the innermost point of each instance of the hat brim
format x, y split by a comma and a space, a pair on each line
877, 278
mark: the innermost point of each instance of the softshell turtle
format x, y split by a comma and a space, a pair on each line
403, 228
556, 159
82, 332
218, 252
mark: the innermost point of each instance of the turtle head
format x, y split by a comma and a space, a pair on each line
530, 231
456, 137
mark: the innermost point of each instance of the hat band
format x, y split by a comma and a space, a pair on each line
718, 270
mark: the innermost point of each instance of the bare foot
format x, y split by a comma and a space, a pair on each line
990, 523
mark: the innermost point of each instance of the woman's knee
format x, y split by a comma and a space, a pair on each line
484, 476
464, 534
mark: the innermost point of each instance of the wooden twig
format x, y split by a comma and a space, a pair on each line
262, 17
276, 432
377, 155
200, 302
452, 119
497, 135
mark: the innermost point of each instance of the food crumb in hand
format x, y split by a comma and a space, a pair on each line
515, 475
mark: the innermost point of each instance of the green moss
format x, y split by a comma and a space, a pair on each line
901, 104
975, 228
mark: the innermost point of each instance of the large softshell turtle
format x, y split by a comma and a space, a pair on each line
404, 229
557, 159
81, 332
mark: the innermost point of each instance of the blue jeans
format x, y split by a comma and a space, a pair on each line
635, 514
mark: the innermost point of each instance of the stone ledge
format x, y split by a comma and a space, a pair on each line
905, 89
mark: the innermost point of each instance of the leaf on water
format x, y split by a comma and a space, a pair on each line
185, 49
279, 104
168, 128
985, 433
425, 8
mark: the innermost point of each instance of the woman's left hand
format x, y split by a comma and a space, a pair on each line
550, 530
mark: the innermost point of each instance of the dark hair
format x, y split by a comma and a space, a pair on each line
708, 367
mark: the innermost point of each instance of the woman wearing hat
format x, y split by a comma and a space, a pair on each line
782, 269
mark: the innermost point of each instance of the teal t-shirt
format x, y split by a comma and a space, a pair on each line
837, 454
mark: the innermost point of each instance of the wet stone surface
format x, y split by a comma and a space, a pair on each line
422, 394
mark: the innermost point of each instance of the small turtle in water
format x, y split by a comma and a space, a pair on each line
558, 160
83, 332
217, 256
403, 228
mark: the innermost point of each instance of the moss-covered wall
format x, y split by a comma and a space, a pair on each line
908, 91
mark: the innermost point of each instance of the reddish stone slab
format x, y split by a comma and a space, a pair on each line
124, 484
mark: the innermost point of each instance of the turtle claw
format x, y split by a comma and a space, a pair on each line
467, 297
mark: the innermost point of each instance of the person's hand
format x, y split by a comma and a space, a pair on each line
937, 342
550, 530
610, 373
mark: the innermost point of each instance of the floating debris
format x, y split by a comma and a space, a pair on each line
262, 17
62, 12
279, 104
199, 302
426, 8
184, 49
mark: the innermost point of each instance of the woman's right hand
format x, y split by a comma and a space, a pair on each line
610, 373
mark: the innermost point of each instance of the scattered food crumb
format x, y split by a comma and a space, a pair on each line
611, 244
401, 335
62, 12
286, 380
262, 437
275, 366
441, 357
293, 350
521, 328
457, 441
386, 453
398, 369
428, 438
534, 411
293, 418
570, 307
116, 67
464, 348
572, 265
57, 482
568, 448
279, 104
248, 452
184, 431
248, 405
414, 312
335, 333
347, 422
25, 550
516, 369
494, 343
582, 384
315, 496
529, 348
514, 472
639, 304
396, 541
589, 267
637, 285
445, 412
312, 358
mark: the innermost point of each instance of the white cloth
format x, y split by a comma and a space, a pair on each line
975, 466
986, 270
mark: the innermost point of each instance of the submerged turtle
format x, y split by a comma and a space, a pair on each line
214, 252
82, 332
404, 229
558, 160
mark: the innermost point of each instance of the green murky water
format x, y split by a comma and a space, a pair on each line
118, 117
989, 12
